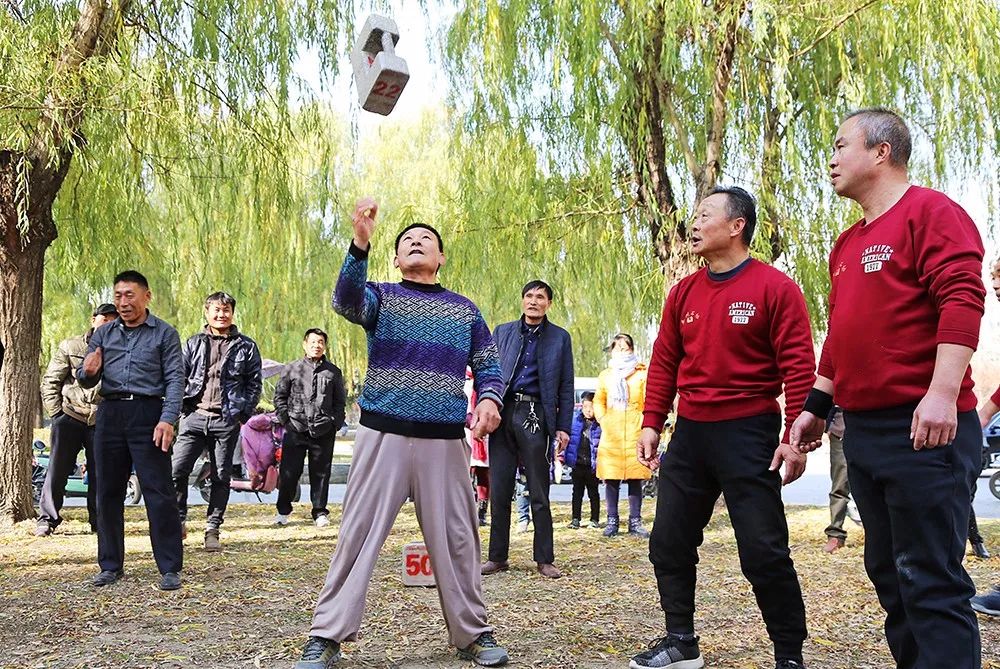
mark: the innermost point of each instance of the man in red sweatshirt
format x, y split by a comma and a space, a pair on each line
906, 299
733, 334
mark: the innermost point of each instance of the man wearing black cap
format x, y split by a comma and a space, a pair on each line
73, 410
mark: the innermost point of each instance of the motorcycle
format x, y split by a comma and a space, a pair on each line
991, 452
78, 482
263, 461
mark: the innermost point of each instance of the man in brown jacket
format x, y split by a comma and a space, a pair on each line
73, 410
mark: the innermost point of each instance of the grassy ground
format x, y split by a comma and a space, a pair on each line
250, 606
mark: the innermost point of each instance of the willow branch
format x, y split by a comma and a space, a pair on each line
16, 11
826, 33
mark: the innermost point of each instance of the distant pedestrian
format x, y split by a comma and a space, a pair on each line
840, 488
222, 370
618, 403
581, 457
309, 401
479, 462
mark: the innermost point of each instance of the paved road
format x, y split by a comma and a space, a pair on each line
813, 488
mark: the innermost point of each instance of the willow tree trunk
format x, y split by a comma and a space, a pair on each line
29, 182
22, 259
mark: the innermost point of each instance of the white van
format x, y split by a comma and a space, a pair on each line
581, 385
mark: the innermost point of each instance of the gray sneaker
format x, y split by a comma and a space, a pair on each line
484, 651
988, 603
212, 543
319, 653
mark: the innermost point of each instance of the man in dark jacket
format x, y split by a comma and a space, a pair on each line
536, 357
310, 402
73, 410
222, 387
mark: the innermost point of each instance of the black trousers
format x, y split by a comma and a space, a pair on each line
731, 457
584, 478
199, 433
294, 448
915, 505
509, 445
68, 436
123, 440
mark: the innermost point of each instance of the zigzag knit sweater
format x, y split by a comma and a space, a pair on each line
421, 337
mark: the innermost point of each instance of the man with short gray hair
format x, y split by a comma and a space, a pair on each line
906, 300
734, 335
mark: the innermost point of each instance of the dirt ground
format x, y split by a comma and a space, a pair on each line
250, 606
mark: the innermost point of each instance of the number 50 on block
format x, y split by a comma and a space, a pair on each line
417, 565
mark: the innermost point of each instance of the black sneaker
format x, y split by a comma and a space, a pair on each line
107, 578
319, 653
789, 664
170, 581
574, 524
484, 651
669, 652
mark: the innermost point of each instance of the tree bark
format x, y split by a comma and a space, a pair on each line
21, 271
722, 78
770, 166
655, 193
29, 183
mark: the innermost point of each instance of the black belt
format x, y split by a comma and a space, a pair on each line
128, 397
523, 397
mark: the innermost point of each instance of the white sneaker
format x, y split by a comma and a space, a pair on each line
852, 511
522, 526
281, 519
322, 521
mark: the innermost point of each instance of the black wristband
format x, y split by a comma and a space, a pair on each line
358, 252
818, 403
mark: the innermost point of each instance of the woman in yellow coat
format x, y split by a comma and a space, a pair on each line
618, 402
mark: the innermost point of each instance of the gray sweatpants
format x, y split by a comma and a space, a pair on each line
385, 470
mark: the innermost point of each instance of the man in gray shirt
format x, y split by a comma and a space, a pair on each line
137, 359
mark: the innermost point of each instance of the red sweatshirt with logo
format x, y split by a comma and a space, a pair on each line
900, 285
726, 347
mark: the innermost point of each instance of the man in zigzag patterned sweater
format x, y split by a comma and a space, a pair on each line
410, 442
